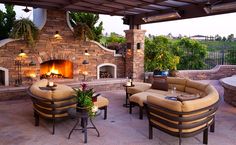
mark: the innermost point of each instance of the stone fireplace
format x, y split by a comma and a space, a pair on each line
56, 69
106, 70
58, 58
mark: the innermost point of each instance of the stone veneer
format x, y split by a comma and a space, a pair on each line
135, 58
47, 48
218, 72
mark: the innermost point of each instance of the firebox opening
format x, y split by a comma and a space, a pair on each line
56, 69
2, 78
106, 70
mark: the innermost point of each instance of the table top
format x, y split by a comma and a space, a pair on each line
229, 81
128, 86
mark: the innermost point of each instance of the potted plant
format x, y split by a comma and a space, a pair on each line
82, 31
24, 29
84, 97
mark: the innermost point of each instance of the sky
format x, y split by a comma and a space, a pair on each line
209, 26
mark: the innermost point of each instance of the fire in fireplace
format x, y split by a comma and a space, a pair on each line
56, 69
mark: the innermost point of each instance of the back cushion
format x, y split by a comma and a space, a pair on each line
160, 84
194, 87
179, 83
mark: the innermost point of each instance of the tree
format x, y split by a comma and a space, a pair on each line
158, 54
230, 37
90, 20
224, 38
218, 37
191, 53
6, 21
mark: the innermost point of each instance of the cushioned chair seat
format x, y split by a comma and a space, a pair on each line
102, 103
139, 87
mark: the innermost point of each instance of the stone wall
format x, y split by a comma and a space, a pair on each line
135, 57
48, 48
220, 71
217, 73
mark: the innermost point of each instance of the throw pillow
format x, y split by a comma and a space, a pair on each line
160, 84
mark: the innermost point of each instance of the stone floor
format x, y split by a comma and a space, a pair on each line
121, 128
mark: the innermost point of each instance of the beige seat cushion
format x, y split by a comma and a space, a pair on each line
62, 91
211, 98
179, 83
194, 87
140, 98
101, 102
139, 87
165, 103
35, 90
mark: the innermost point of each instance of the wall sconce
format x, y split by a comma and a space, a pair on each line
85, 62
57, 36
22, 53
32, 63
138, 47
86, 52
128, 46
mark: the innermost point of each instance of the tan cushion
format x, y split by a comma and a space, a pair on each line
211, 98
62, 91
179, 83
101, 102
159, 91
196, 85
41, 83
139, 87
35, 90
163, 102
140, 98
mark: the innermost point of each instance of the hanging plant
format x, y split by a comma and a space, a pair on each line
82, 31
25, 29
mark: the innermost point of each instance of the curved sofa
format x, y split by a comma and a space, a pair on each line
178, 118
51, 104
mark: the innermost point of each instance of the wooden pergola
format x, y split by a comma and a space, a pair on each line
137, 12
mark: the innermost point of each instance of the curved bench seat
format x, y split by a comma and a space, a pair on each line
179, 118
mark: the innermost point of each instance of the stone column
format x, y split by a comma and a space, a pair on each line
134, 64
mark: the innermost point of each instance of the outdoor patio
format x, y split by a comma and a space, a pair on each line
17, 126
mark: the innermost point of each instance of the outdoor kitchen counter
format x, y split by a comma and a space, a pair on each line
229, 85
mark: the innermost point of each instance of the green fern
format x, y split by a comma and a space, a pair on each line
26, 30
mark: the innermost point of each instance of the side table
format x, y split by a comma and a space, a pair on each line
127, 95
82, 118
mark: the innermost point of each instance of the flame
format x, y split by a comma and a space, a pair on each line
53, 70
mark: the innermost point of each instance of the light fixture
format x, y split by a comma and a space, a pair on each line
22, 53
215, 8
161, 17
86, 52
32, 63
85, 62
138, 47
128, 46
26, 9
57, 36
